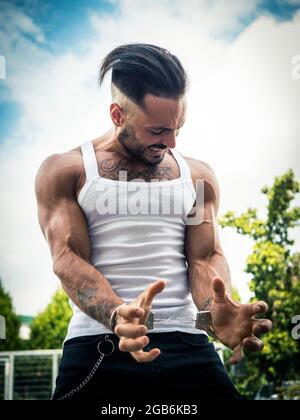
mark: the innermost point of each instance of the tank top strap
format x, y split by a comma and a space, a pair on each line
89, 161
183, 166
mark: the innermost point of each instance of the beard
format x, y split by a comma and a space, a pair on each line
136, 149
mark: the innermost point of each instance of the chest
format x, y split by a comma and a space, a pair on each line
122, 169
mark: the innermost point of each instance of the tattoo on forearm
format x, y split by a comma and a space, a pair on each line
101, 312
207, 304
85, 295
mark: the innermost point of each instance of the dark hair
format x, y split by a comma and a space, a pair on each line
140, 69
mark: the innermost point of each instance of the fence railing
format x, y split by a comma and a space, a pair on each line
28, 375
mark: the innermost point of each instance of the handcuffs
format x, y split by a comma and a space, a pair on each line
203, 320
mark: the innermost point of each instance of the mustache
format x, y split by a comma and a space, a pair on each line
159, 146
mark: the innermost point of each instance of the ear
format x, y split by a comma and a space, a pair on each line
117, 114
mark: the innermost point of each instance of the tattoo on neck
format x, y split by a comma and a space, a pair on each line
110, 168
101, 312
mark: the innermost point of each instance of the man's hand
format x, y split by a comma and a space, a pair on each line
130, 328
235, 324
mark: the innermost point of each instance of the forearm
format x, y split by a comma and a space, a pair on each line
87, 287
201, 273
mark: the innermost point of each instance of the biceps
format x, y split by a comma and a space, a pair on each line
202, 241
65, 228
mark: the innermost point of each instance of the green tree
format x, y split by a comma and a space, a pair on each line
12, 321
235, 294
274, 267
49, 328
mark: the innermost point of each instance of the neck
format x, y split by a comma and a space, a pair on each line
109, 142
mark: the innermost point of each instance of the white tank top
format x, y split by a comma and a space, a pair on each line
137, 232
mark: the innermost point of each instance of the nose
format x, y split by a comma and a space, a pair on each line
170, 140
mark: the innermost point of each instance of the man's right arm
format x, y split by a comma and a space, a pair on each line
64, 227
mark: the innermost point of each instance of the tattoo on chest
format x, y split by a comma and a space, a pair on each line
111, 168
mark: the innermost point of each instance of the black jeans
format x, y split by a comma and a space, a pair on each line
188, 368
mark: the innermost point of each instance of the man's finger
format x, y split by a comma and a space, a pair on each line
131, 311
130, 331
260, 307
219, 290
253, 344
252, 309
144, 356
237, 355
133, 344
262, 326
153, 290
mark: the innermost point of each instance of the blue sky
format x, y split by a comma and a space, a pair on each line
242, 118
63, 23
64, 20
281, 10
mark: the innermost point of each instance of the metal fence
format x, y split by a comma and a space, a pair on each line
28, 375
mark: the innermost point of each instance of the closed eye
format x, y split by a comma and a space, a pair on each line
157, 133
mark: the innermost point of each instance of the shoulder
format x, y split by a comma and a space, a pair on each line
59, 171
203, 171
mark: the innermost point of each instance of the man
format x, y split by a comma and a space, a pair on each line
120, 254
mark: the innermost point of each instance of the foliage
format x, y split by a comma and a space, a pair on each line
49, 328
274, 268
235, 294
12, 341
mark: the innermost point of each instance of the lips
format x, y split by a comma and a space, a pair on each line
156, 151
156, 148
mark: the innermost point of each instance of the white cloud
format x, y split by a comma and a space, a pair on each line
14, 24
243, 115
210, 16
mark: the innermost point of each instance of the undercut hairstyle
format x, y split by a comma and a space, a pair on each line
140, 69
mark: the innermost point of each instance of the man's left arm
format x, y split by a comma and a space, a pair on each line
202, 245
234, 324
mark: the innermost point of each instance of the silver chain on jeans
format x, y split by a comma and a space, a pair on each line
93, 371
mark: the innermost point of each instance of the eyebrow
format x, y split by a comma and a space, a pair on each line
160, 128
164, 128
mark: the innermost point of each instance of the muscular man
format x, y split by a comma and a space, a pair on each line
121, 248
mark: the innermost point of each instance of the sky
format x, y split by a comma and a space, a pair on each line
243, 106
